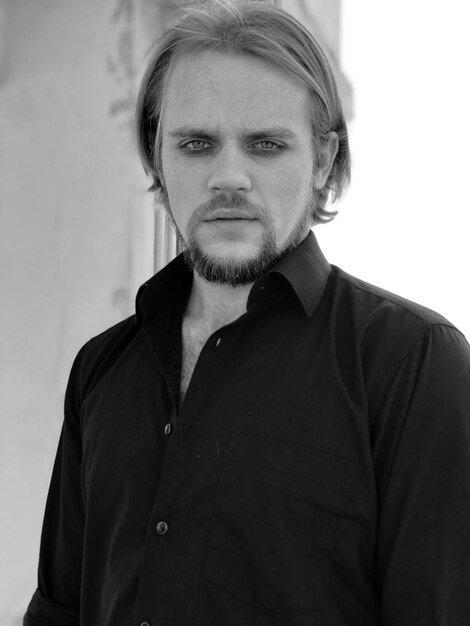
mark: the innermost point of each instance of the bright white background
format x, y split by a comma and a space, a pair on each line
404, 223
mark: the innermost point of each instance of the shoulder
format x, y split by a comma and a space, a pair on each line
371, 299
113, 335
100, 352
389, 329
373, 309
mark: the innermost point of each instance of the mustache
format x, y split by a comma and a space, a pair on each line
227, 200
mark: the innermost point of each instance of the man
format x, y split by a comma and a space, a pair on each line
269, 441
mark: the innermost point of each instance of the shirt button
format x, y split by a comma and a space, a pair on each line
162, 528
167, 429
144, 623
217, 343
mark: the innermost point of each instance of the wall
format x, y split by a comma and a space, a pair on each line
73, 237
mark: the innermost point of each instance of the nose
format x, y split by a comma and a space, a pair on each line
229, 171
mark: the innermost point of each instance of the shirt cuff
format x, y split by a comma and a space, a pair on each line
43, 612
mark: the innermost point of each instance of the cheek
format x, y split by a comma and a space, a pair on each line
170, 174
176, 185
291, 191
183, 182
180, 206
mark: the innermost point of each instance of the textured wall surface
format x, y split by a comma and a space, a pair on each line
73, 243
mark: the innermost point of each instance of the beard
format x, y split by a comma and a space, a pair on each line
237, 272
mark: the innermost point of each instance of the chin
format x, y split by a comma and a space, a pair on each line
231, 252
231, 263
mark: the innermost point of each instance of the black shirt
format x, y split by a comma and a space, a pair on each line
317, 472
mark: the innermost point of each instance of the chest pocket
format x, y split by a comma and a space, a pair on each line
277, 516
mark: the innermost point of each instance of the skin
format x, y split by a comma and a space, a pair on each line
234, 125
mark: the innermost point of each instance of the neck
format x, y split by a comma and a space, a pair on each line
216, 305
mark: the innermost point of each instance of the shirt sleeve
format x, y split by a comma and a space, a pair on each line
56, 601
422, 460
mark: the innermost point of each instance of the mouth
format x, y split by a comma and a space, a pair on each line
231, 219
230, 215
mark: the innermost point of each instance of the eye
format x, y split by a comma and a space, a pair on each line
267, 146
195, 145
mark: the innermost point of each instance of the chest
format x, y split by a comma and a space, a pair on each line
194, 337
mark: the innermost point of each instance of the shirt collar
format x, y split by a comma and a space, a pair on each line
168, 286
305, 269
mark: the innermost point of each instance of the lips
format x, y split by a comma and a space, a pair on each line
229, 215
232, 219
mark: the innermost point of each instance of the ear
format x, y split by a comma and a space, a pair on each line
325, 159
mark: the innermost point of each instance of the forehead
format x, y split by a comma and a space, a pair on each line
223, 91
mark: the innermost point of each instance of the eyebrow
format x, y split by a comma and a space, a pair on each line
188, 131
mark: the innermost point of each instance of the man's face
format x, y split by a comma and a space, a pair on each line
238, 163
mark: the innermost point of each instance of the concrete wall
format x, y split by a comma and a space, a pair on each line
73, 238
76, 231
